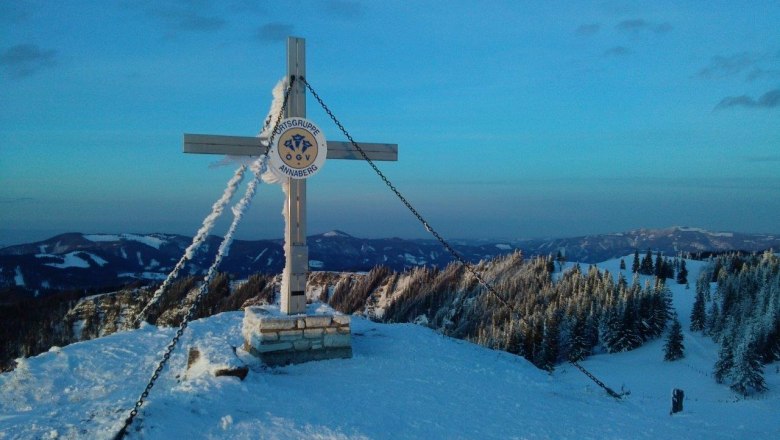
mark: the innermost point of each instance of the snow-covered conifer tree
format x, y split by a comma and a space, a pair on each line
674, 348
747, 372
725, 361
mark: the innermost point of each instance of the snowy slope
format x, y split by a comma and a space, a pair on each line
404, 381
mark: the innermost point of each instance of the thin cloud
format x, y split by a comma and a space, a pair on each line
662, 28
189, 20
758, 74
768, 100
198, 23
638, 25
632, 25
24, 60
343, 8
183, 16
725, 66
587, 30
274, 32
755, 66
617, 51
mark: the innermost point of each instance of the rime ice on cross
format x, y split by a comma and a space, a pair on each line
293, 299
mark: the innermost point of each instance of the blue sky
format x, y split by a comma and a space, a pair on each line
514, 119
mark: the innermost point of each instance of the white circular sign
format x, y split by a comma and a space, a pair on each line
299, 149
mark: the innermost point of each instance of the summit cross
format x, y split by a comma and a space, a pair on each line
296, 268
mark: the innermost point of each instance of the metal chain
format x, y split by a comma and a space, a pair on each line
609, 390
156, 297
203, 291
455, 254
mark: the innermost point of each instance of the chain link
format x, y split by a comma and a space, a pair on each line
609, 390
455, 254
202, 292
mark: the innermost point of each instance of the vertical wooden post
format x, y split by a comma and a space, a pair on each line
678, 396
296, 268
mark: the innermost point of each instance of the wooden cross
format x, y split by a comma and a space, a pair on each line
293, 299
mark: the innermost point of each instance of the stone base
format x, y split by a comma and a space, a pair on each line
279, 339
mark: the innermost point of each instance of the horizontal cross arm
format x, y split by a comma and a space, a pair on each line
253, 146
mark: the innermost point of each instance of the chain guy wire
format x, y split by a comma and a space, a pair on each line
197, 241
455, 254
202, 292
203, 232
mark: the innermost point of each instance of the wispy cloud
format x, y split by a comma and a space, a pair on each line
183, 16
725, 66
640, 25
768, 100
188, 20
24, 60
274, 32
586, 30
343, 8
755, 66
617, 51
758, 74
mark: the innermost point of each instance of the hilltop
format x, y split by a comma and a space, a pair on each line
404, 381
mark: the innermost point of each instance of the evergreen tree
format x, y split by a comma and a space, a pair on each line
698, 314
560, 258
673, 349
747, 372
513, 339
713, 326
682, 274
550, 264
668, 269
622, 264
725, 361
716, 270
580, 343
622, 333
660, 271
662, 308
550, 343
635, 264
646, 267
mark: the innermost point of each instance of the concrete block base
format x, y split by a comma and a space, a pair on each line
279, 339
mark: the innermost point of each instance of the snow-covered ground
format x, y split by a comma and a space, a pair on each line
154, 241
404, 381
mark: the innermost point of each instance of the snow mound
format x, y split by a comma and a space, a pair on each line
336, 233
404, 381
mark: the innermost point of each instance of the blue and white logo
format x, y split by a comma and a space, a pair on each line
299, 149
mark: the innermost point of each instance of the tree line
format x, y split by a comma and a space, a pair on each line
737, 303
545, 315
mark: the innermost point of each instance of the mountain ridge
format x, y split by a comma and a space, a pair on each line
81, 261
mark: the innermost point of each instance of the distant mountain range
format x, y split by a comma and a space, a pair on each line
81, 261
